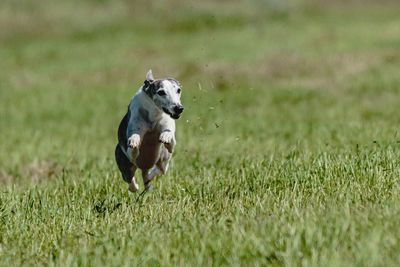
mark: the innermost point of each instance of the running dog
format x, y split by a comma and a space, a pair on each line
146, 134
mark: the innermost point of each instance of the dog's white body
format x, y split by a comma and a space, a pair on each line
147, 132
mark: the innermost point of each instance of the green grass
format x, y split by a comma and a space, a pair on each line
288, 150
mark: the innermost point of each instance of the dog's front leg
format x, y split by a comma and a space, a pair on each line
133, 146
167, 134
167, 137
135, 132
134, 140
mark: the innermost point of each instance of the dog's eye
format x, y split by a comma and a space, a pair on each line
161, 92
179, 91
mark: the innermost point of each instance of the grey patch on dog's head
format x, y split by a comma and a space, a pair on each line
151, 85
151, 88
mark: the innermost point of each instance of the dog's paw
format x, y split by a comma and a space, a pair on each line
134, 141
133, 186
166, 137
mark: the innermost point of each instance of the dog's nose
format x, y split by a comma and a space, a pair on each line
178, 109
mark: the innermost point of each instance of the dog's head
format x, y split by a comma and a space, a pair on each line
166, 94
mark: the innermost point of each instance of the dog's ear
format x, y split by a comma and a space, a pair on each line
149, 79
149, 83
149, 76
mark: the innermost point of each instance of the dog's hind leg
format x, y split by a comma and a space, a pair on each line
133, 186
127, 169
161, 165
153, 173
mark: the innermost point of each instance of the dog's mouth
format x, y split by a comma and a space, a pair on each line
174, 116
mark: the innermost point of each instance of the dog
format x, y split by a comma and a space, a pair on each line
146, 134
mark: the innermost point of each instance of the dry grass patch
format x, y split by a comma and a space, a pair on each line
34, 172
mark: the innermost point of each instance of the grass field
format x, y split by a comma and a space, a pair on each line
288, 150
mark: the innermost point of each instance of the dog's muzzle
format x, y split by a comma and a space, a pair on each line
178, 109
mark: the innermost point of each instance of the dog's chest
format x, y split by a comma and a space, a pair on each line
149, 150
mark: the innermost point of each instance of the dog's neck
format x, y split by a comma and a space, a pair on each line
155, 113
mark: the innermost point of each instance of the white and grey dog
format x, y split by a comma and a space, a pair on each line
146, 134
